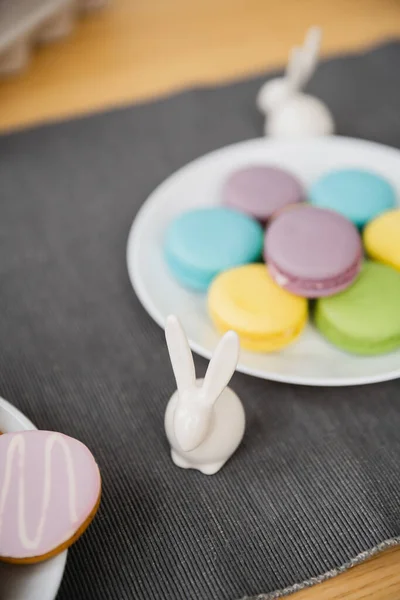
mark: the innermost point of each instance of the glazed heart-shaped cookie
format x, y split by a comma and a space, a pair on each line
50, 490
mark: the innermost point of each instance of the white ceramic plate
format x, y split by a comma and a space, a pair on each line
311, 360
30, 582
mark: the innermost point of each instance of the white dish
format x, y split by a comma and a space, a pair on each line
311, 360
27, 582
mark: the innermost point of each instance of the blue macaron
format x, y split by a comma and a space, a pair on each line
357, 194
202, 243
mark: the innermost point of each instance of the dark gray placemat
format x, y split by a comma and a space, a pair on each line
316, 481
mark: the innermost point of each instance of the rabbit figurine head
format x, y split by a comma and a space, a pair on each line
289, 112
204, 420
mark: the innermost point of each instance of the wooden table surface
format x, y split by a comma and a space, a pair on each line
136, 49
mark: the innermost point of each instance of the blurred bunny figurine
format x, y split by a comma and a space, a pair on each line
204, 420
289, 112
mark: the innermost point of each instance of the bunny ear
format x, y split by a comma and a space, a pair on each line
293, 66
312, 45
312, 42
295, 69
303, 61
221, 368
180, 354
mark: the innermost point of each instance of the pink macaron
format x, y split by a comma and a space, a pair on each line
313, 252
261, 190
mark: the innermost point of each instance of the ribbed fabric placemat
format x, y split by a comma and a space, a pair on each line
316, 481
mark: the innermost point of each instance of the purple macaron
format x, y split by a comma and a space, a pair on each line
313, 252
260, 191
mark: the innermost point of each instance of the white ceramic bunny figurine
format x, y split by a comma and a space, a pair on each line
289, 112
204, 420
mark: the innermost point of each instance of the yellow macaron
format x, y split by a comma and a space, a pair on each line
382, 238
247, 300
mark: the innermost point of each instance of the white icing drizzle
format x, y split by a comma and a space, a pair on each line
18, 443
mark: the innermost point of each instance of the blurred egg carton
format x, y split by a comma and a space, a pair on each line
26, 23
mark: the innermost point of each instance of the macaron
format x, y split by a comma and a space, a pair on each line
360, 195
247, 300
313, 252
365, 318
201, 243
261, 190
382, 238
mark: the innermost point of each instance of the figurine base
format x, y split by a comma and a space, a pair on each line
210, 469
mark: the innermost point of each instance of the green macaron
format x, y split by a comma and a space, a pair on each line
365, 318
